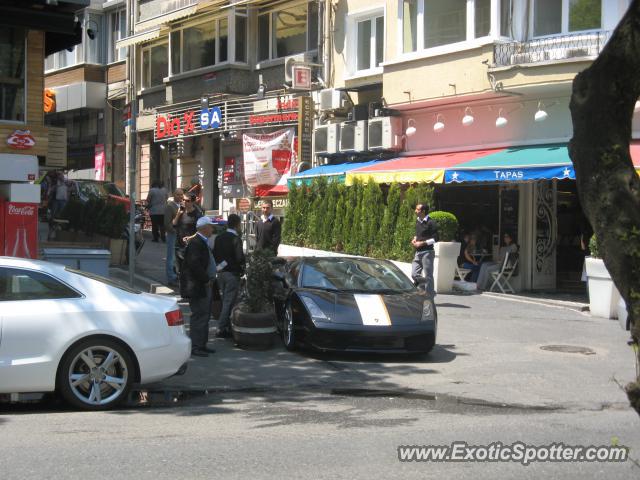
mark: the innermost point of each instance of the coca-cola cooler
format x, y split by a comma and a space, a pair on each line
18, 223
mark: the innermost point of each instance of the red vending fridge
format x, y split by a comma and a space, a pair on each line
19, 229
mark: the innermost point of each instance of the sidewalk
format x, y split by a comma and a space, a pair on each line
503, 349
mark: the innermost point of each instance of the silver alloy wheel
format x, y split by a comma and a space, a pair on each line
98, 375
288, 326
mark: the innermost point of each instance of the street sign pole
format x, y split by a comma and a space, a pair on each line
131, 139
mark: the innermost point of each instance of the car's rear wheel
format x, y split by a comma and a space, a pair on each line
96, 374
288, 331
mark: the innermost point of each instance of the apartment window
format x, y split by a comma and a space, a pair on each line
288, 31
155, 65
207, 44
552, 17
118, 31
241, 38
369, 41
12, 74
434, 23
506, 15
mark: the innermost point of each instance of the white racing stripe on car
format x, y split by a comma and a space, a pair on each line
372, 310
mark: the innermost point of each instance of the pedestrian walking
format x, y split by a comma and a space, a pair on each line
199, 270
60, 194
156, 201
170, 211
268, 229
423, 242
230, 259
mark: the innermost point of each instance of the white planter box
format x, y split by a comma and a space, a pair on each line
603, 294
623, 317
445, 265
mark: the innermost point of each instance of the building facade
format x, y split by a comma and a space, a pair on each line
473, 96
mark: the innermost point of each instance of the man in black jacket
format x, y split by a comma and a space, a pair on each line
229, 257
198, 270
423, 242
268, 229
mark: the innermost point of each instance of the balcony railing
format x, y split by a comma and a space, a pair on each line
548, 49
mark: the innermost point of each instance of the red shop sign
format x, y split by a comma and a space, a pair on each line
169, 126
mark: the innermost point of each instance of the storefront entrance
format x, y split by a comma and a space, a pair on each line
574, 233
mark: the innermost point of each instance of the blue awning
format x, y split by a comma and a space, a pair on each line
512, 174
334, 173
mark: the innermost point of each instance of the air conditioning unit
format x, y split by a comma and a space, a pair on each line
298, 59
353, 136
385, 133
332, 99
326, 138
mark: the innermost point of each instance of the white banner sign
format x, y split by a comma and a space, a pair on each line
268, 157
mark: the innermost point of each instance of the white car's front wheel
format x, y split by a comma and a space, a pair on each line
96, 374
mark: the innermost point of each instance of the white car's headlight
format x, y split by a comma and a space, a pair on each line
316, 312
428, 311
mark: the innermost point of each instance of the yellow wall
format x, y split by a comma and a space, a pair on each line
35, 105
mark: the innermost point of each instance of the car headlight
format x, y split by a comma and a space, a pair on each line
314, 310
428, 311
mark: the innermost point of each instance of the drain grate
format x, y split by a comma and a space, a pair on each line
568, 349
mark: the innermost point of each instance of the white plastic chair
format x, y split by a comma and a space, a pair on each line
461, 273
501, 277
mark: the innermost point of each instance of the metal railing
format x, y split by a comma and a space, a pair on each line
549, 49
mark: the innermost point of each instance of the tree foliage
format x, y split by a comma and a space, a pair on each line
602, 105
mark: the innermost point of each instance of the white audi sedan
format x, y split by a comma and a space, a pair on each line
82, 335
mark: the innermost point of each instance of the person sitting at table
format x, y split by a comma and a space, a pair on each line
469, 260
463, 246
488, 267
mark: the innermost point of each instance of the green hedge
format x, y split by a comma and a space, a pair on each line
360, 219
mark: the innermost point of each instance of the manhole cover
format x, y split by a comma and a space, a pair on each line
568, 349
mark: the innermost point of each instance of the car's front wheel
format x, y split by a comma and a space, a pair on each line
96, 374
288, 331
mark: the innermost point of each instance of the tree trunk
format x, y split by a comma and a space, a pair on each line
602, 105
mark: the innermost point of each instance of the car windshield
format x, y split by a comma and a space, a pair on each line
106, 281
98, 189
357, 274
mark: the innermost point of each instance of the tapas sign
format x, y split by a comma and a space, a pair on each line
21, 140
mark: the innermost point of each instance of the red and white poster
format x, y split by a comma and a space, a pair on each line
268, 159
100, 163
20, 235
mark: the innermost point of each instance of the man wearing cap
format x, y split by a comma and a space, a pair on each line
199, 269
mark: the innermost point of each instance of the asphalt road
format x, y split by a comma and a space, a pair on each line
298, 434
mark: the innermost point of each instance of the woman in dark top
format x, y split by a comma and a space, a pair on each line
185, 225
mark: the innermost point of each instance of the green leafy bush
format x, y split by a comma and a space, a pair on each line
447, 225
259, 281
594, 247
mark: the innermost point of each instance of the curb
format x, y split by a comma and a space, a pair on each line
577, 306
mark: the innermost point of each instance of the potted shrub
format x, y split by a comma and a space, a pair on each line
603, 294
446, 249
253, 319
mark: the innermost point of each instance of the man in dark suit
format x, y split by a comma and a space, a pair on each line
198, 270
268, 229
229, 257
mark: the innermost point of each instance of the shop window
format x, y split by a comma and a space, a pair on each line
552, 17
287, 31
12, 74
155, 65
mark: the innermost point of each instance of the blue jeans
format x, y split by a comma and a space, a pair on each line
171, 257
475, 270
